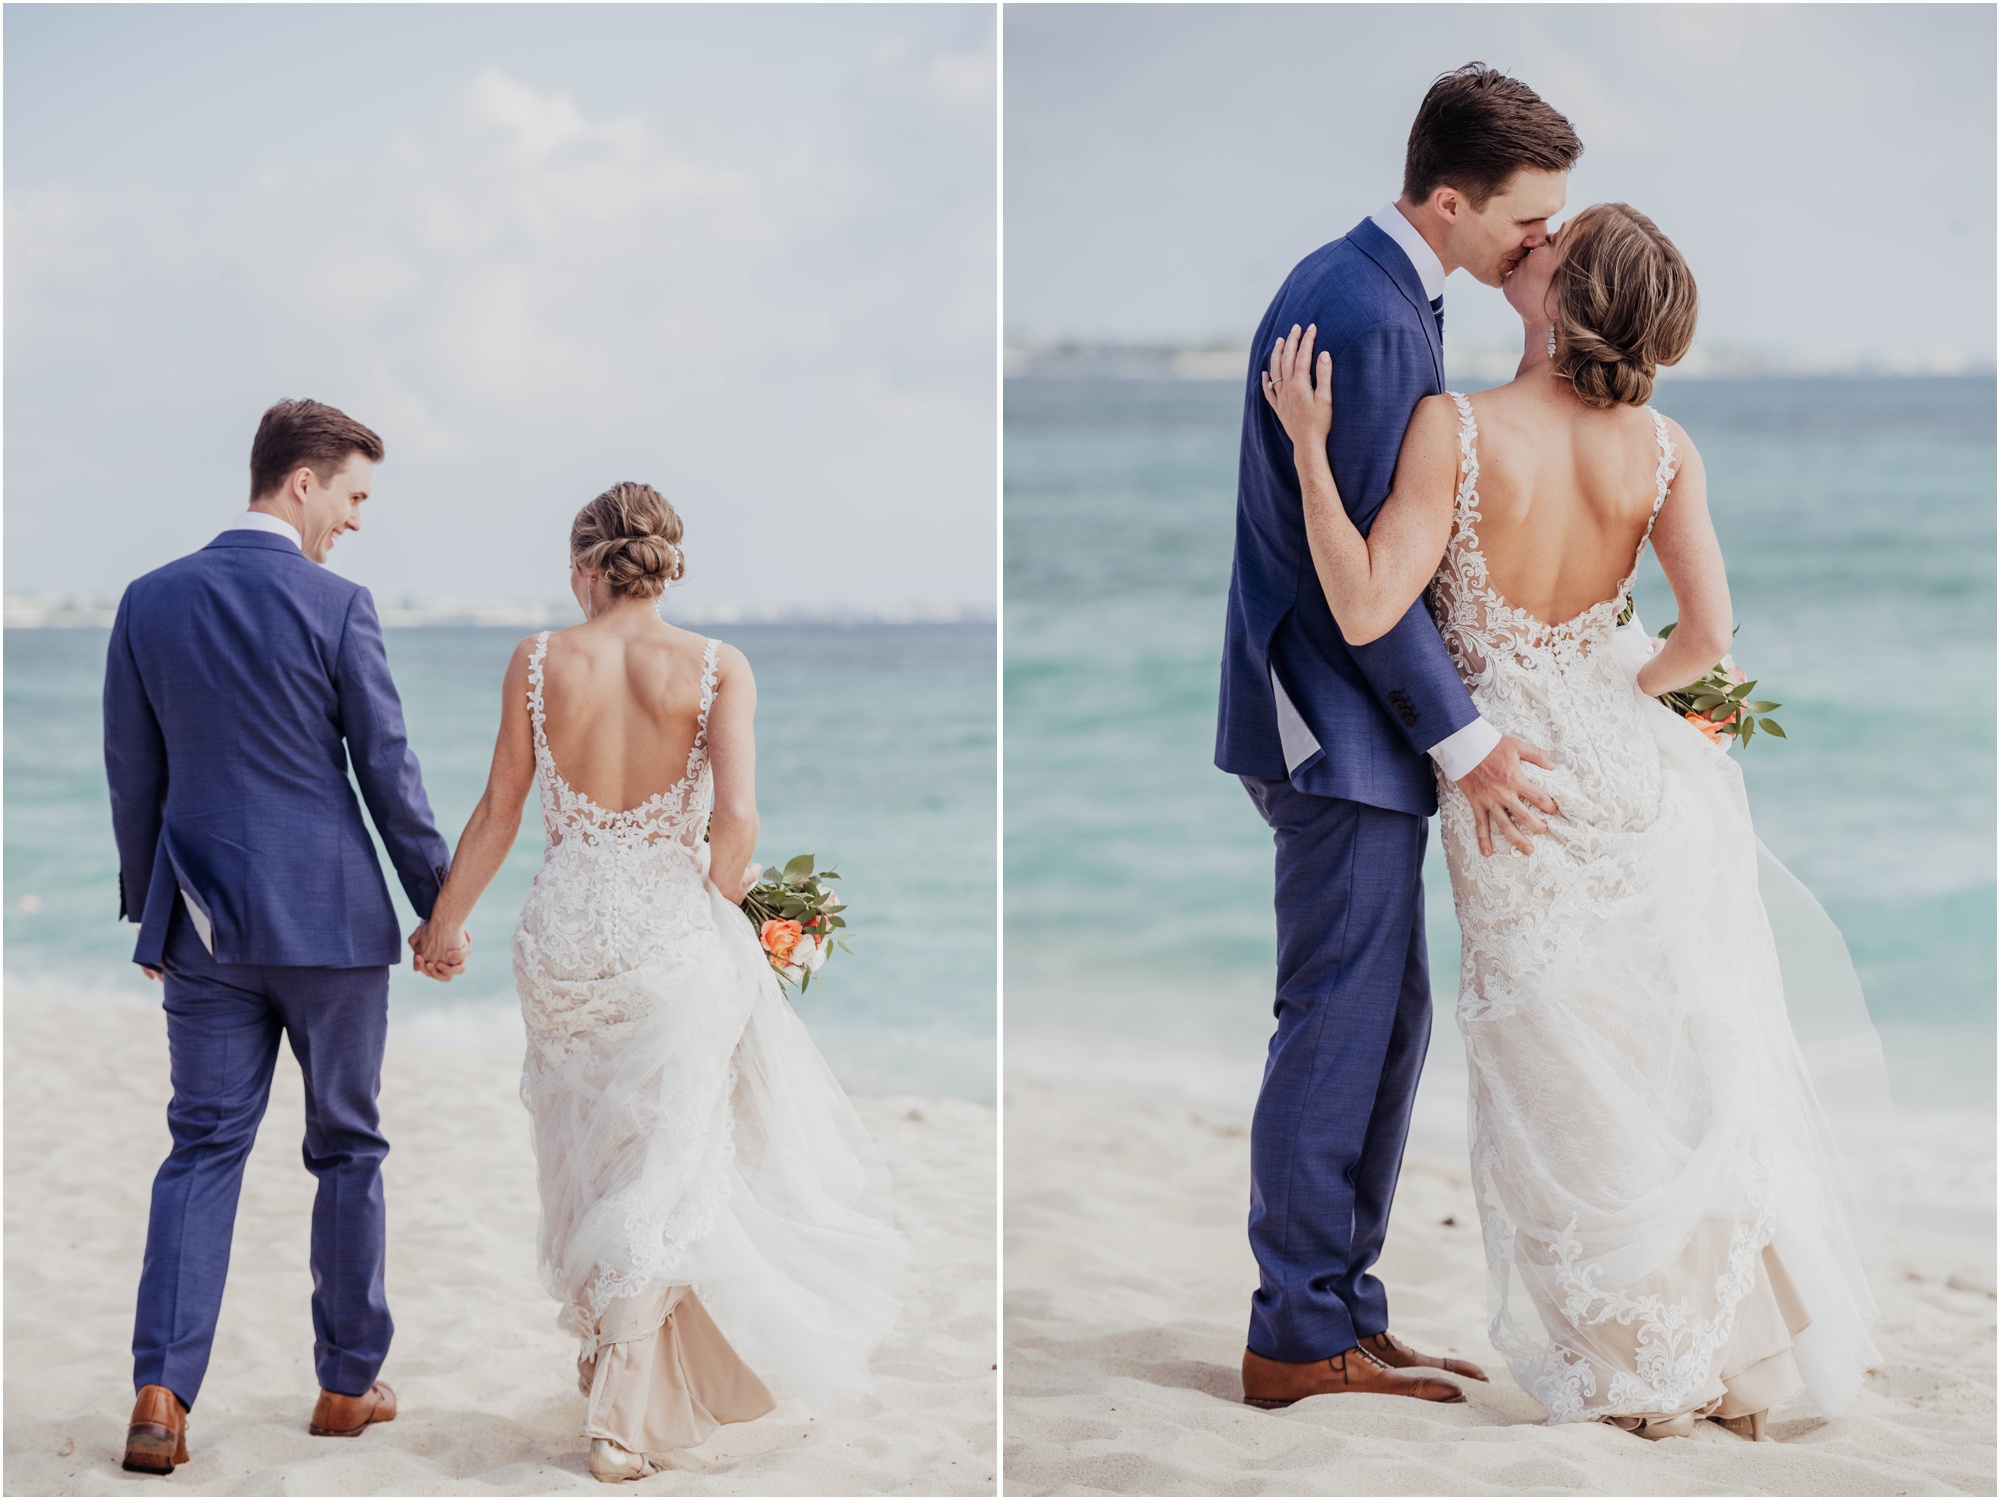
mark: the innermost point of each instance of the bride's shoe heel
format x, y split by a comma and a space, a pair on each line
614, 1465
1749, 1426
1654, 1428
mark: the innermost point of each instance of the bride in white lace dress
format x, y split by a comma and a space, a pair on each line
716, 1224
1669, 1230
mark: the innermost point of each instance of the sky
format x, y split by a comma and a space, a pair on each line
745, 254
1827, 170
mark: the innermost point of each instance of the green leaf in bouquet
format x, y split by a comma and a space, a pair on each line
1721, 711
1668, 629
798, 868
1770, 726
1745, 729
1707, 701
840, 944
1742, 689
1761, 707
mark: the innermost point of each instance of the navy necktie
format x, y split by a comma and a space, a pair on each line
1437, 311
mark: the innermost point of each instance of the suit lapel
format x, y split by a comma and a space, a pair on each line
1387, 254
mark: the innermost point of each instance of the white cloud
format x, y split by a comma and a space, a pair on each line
773, 311
957, 86
1813, 162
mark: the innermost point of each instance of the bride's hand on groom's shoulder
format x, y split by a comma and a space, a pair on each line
1300, 388
435, 955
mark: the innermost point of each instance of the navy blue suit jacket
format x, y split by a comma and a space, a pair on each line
239, 681
1375, 709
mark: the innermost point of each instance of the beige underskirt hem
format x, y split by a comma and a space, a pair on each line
663, 1377
1756, 1371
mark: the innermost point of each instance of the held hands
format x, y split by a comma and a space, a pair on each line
1305, 409
1503, 799
435, 955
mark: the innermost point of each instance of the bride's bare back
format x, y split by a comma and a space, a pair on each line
621, 709
1565, 494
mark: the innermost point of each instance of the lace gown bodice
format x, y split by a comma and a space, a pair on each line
676, 815
697, 1159
1563, 688
617, 888
1660, 1202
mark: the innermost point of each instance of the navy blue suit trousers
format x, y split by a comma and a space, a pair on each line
224, 1022
1354, 1020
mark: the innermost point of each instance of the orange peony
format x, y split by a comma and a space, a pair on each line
1716, 730
780, 938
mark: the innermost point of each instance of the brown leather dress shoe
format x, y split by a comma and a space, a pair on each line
157, 1438
345, 1416
1398, 1355
1271, 1383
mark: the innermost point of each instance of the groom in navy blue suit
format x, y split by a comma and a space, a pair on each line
241, 684
1336, 743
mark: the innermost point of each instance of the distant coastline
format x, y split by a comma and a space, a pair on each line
95, 611
1085, 360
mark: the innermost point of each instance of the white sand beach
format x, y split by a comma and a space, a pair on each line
485, 1381
1128, 1278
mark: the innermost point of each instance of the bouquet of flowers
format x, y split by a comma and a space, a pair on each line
796, 915
1720, 705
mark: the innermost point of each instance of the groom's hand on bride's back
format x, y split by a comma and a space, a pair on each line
1504, 801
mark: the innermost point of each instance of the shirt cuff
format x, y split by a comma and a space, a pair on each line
1461, 750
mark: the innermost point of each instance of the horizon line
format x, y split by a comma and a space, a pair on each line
1166, 359
78, 610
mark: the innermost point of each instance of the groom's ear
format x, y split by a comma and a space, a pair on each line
1447, 202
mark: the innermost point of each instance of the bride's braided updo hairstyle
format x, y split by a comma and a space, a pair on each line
633, 537
1624, 304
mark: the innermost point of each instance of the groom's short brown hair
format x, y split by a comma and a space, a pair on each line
309, 434
1476, 128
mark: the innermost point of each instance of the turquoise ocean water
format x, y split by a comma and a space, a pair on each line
1858, 520
875, 751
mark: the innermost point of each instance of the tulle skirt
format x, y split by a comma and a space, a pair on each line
708, 1192
1657, 1019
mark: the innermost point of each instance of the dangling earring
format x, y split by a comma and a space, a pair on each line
1552, 341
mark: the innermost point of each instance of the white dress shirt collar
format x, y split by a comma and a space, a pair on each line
263, 520
1430, 270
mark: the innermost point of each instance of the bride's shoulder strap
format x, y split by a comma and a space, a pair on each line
1468, 429
709, 672
1669, 461
535, 657
1465, 506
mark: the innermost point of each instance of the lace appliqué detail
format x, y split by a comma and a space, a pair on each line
618, 918
680, 812
1675, 1346
1476, 621
1611, 1065
1557, 686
